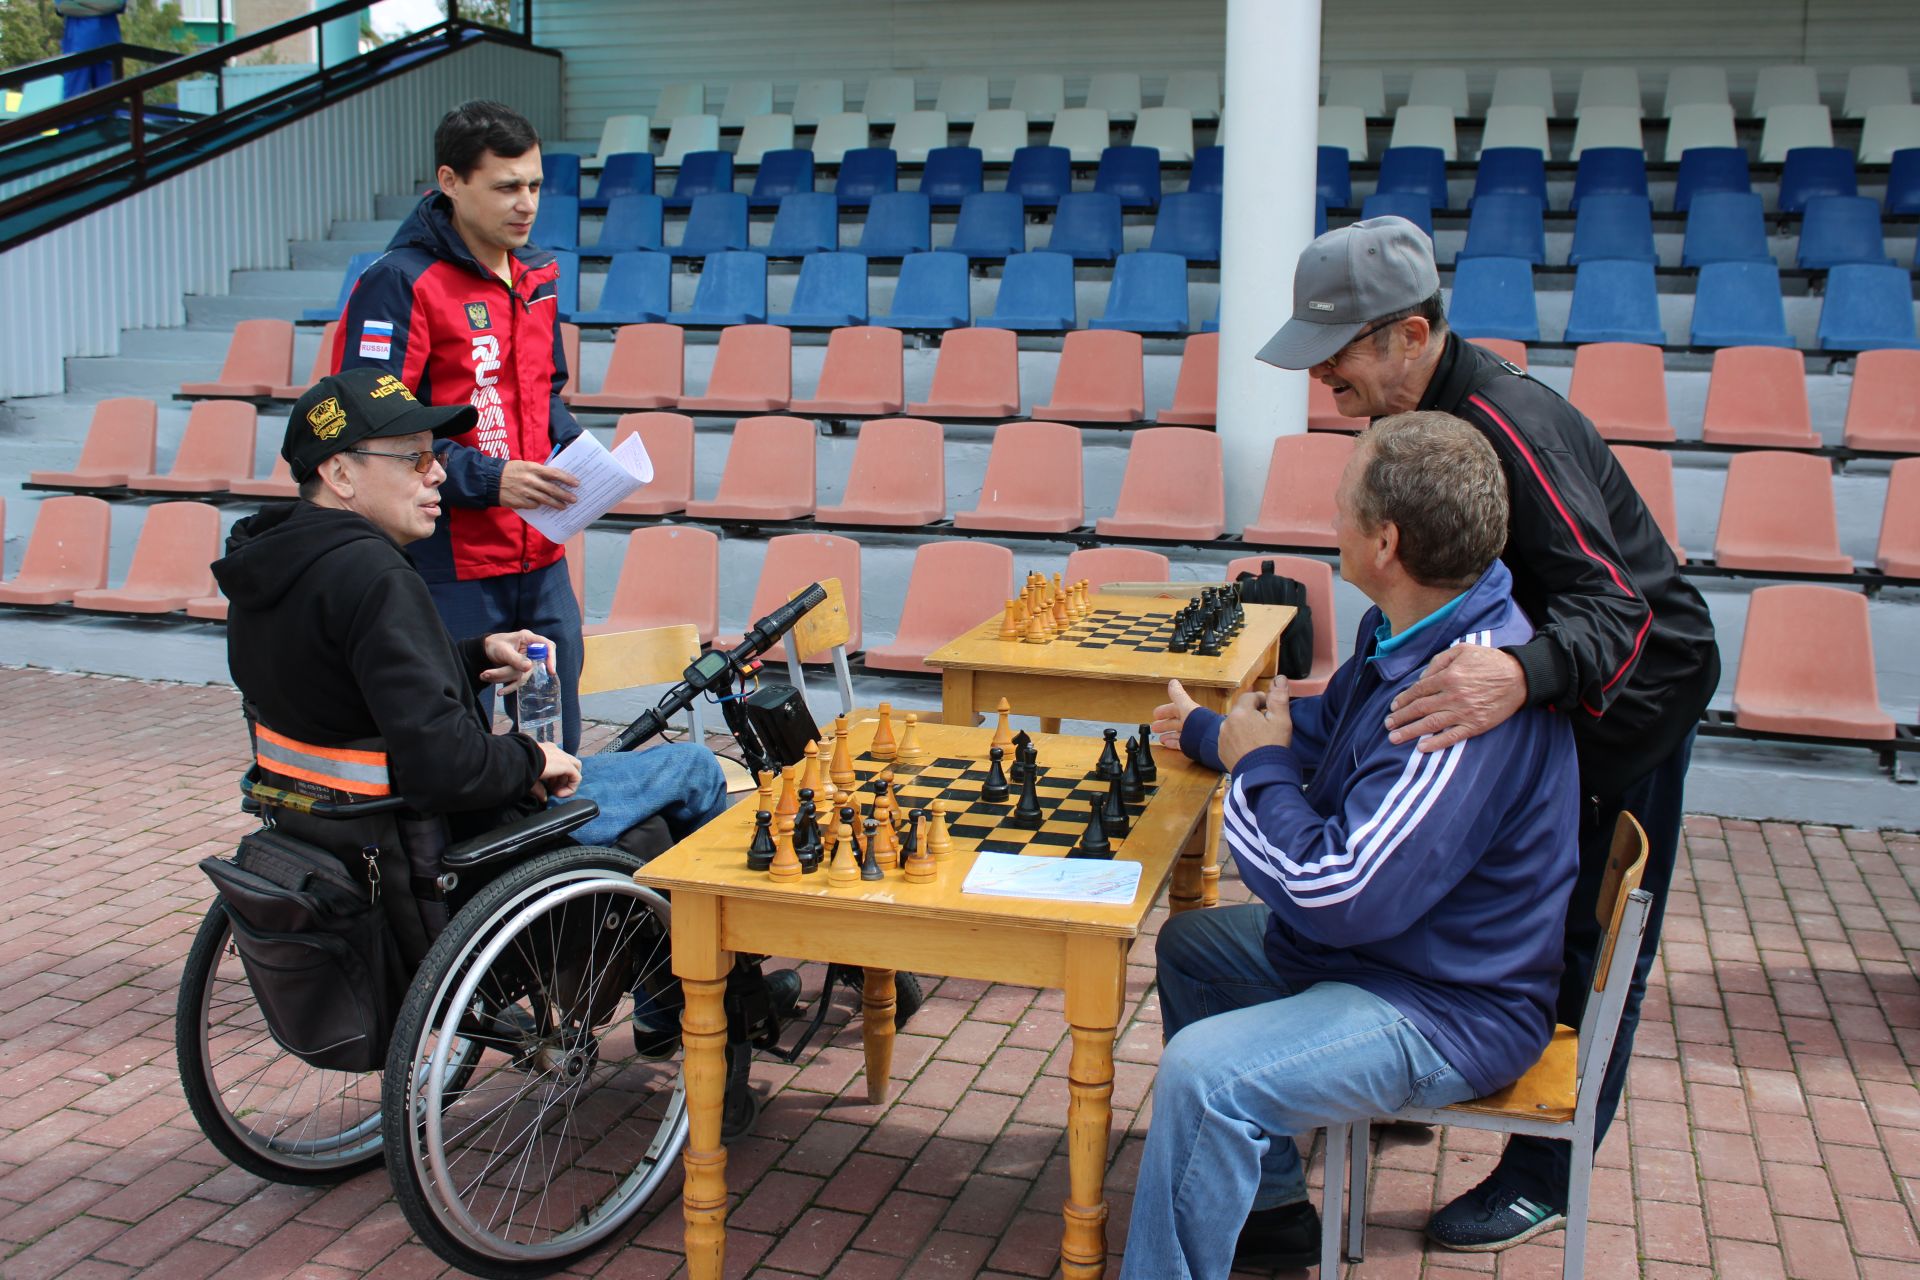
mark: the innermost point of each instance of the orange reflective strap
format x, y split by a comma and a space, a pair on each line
360, 773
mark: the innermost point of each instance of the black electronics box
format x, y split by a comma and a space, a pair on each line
778, 716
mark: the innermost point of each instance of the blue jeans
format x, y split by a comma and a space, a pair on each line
542, 602
1249, 1062
680, 781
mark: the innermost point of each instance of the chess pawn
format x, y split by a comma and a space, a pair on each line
1149, 771
910, 748
786, 863
789, 799
1109, 763
846, 854
939, 843
1010, 625
840, 769
1131, 789
994, 789
807, 840
1061, 619
1094, 844
918, 862
1114, 815
1003, 732
1036, 633
884, 746
870, 863
760, 850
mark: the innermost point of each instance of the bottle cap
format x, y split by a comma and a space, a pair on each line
538, 652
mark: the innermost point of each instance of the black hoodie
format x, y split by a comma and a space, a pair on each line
334, 639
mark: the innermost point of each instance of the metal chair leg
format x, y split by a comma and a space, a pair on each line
1579, 1187
1333, 1201
1359, 1150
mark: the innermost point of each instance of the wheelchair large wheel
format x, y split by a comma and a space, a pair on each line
266, 1110
561, 1130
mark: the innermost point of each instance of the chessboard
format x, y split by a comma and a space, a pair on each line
1065, 797
1139, 631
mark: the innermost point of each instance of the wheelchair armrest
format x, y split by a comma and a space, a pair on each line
516, 837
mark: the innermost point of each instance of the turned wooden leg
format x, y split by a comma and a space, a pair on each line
702, 967
876, 1032
1049, 724
1096, 977
1189, 872
956, 697
1210, 857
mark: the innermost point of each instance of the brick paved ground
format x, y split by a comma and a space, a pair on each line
1773, 1126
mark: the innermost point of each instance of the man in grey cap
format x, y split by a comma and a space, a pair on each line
1623, 644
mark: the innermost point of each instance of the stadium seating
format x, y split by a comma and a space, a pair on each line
1099, 379
1607, 128
782, 174
215, 450
1622, 387
1811, 172
1506, 226
557, 224
1883, 411
841, 132
689, 135
977, 376
1709, 169
865, 172
1784, 85
1167, 130
931, 294
998, 134
1523, 87
717, 223
682, 98
808, 222
1420, 171
1172, 489
559, 175
1197, 91
1195, 393
701, 173
732, 291
567, 289
178, 542
1510, 171
644, 371
752, 372
355, 265
1687, 86
633, 222
1514, 353
1087, 227
961, 98
916, 134
1346, 129
1082, 132
769, 473
815, 100
1903, 182
1034, 481
1651, 471
861, 375
120, 444
1324, 415
1890, 127
1333, 178
898, 223
638, 289
259, 358
1317, 577
1615, 227
1737, 304
569, 352
668, 438
1493, 298
898, 478
1792, 125
1296, 510
1694, 125
1423, 126
1778, 690
1609, 89
1041, 95
763, 134
831, 291
1440, 87
992, 224
1777, 515
1131, 175
1609, 171
1399, 204
1362, 87
1725, 226
1040, 175
669, 576
1869, 87
887, 98
1758, 396
1148, 294
323, 362
278, 484
211, 608
1036, 293
1188, 225
67, 552
621, 135
1115, 92
955, 585
1520, 128
951, 175
1867, 307
1898, 553
1102, 566
1615, 302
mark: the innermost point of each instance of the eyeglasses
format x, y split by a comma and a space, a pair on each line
1360, 337
422, 461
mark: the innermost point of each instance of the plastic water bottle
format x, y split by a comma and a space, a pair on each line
539, 700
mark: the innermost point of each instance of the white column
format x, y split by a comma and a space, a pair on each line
1272, 111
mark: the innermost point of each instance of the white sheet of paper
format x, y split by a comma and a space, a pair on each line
605, 479
1013, 875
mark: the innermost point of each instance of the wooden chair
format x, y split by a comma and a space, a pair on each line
630, 659
1556, 1098
825, 627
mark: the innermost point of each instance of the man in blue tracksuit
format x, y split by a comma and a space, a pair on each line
1406, 945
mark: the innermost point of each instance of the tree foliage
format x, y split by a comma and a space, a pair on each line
30, 29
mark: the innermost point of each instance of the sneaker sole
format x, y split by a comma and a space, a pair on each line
1549, 1223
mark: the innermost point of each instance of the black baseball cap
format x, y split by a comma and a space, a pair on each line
343, 409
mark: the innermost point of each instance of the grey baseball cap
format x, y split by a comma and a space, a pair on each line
1346, 280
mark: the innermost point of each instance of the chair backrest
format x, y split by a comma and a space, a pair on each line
1607, 127
1613, 226
839, 133
992, 224
1514, 353
1699, 124
1034, 465
753, 360
217, 446
1102, 565
1148, 294
1793, 85
977, 375
898, 223
1087, 225
1297, 506
1440, 87
1344, 127
1621, 911
668, 438
961, 98
716, 223
808, 222
769, 458
763, 133
916, 134
1517, 126
1317, 577
1725, 226
956, 584
629, 659
1778, 689
1651, 471
1083, 131
1622, 387
1099, 378
1867, 306
931, 292
1415, 170
1040, 95
557, 224
621, 134
632, 222
1810, 172
1706, 169
951, 175
1040, 175
792, 561
1837, 230
1424, 126
1332, 178
897, 462
682, 98
260, 352
1890, 127
1493, 298
1523, 87
1738, 304
69, 544
178, 544
1209, 170
1883, 409
120, 440
1362, 87
866, 172
1168, 130
1615, 302
1132, 174
1778, 514
1794, 124
814, 100
1505, 225
887, 98
569, 351
1188, 224
1876, 86
782, 173
1173, 474
669, 575
732, 283
647, 363
1898, 551
745, 100
1609, 88
1197, 91
1037, 287
1758, 395
687, 135
1115, 92
832, 290
863, 364
1519, 171
638, 286
1693, 86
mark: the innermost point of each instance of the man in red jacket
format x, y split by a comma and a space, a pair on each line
463, 311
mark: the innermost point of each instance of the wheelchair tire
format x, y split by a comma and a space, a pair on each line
261, 1107
560, 1131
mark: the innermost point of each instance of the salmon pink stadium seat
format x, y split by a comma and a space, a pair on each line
645, 370
1034, 482
862, 374
1651, 471
278, 484
1622, 388
1297, 508
1317, 577
119, 445
794, 560
769, 473
215, 450
1195, 395
66, 553
1099, 379
172, 562
259, 358
1758, 396
1778, 515
956, 584
668, 438
1778, 689
1884, 410
1173, 487
977, 376
898, 479
1898, 554
752, 371
323, 363
1102, 565
669, 576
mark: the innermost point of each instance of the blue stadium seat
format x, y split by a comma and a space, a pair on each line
638, 290
1615, 302
1903, 182
865, 172
1493, 298
1036, 293
808, 222
1130, 173
1333, 178
557, 223
717, 223
1725, 226
1406, 204
566, 291
1737, 304
1867, 307
1511, 171
781, 174
632, 222
1704, 170
733, 290
932, 294
950, 175
1209, 170
1415, 171
1041, 175
559, 174
831, 292
701, 173
1811, 172
1087, 226
992, 224
355, 265
1189, 225
1320, 217
898, 223
1507, 226
1148, 294
1619, 227
1609, 171
626, 173
1840, 229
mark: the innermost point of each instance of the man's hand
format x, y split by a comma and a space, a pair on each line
507, 650
531, 484
1170, 717
1257, 720
560, 775
1465, 691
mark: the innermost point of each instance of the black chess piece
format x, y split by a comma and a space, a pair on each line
1114, 814
1094, 842
760, 850
870, 861
1131, 789
910, 838
850, 818
1018, 773
1109, 766
1179, 641
1149, 771
806, 834
1026, 814
994, 789
1209, 644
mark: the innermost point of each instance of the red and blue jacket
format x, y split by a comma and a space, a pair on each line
430, 314
1437, 881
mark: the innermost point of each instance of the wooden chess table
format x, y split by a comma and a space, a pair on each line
720, 907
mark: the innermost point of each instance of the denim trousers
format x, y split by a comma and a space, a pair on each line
541, 602
680, 781
1250, 1060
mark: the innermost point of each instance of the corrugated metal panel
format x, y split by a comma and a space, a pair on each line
131, 264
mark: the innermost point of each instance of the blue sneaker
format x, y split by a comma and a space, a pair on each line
1492, 1217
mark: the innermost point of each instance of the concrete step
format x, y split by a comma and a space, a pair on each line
225, 312
396, 207
364, 229
321, 284
153, 377
330, 255
173, 344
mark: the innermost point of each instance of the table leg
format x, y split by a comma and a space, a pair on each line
1049, 724
876, 1032
956, 697
1210, 856
702, 967
1188, 890
1096, 983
